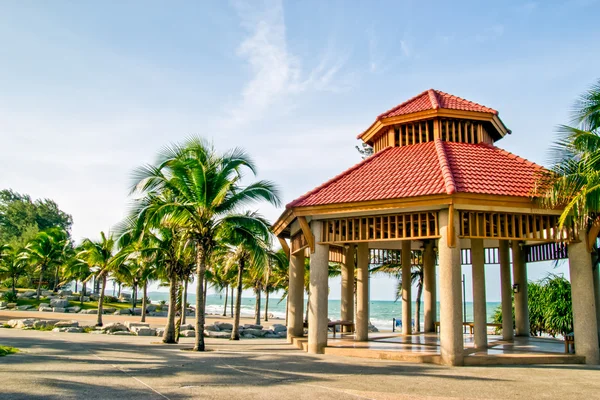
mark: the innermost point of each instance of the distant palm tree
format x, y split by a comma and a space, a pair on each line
77, 269
12, 264
100, 254
44, 251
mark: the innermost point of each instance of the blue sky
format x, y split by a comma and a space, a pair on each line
89, 90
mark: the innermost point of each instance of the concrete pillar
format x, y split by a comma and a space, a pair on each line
506, 291
585, 325
347, 303
429, 287
479, 300
451, 336
296, 296
406, 286
597, 295
362, 292
520, 279
317, 310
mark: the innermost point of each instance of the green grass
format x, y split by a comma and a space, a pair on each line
6, 350
6, 326
88, 305
43, 328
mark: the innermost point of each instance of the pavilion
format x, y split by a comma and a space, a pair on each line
435, 183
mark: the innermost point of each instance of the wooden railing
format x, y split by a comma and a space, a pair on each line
546, 252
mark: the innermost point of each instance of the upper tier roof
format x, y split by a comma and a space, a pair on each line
429, 168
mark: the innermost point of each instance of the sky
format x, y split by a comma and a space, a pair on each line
91, 90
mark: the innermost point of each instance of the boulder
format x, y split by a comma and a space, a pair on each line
11, 305
282, 334
92, 311
121, 333
45, 293
74, 309
130, 324
59, 329
248, 336
114, 327
224, 326
21, 323
124, 311
65, 292
44, 305
151, 308
158, 314
211, 328
187, 333
74, 329
186, 327
372, 328
72, 298
135, 311
60, 303
59, 309
108, 310
218, 334
271, 336
96, 332
255, 332
27, 295
42, 323
86, 298
252, 326
143, 331
66, 324
278, 328
2, 303
45, 309
25, 307
160, 331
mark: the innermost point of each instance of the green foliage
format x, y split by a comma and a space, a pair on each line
22, 218
6, 350
9, 297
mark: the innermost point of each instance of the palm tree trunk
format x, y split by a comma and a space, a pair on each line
119, 292
418, 306
169, 334
75, 285
185, 284
101, 301
55, 280
39, 288
82, 293
205, 290
200, 270
181, 313
144, 301
226, 295
14, 285
232, 288
235, 332
266, 305
257, 307
133, 295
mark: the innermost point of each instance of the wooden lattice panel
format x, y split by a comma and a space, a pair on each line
494, 225
423, 225
379, 257
298, 242
546, 252
491, 256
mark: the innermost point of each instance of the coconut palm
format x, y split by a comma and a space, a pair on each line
277, 279
100, 254
12, 265
45, 251
204, 192
77, 269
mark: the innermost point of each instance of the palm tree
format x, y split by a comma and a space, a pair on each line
78, 270
277, 277
12, 264
45, 251
204, 193
100, 254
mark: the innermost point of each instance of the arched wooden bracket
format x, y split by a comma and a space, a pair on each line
451, 231
592, 234
310, 238
284, 246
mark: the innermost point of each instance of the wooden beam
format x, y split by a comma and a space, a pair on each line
308, 235
284, 246
451, 233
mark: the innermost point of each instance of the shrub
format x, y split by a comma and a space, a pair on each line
110, 299
6, 350
9, 297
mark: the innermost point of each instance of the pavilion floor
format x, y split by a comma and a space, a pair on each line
425, 348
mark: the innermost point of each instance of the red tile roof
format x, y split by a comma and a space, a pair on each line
433, 99
427, 169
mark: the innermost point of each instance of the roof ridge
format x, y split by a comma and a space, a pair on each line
512, 155
445, 166
400, 105
337, 177
489, 109
434, 101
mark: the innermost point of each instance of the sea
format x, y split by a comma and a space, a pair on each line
381, 312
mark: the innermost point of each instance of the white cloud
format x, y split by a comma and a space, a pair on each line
276, 71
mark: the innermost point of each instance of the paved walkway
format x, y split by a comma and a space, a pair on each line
63, 366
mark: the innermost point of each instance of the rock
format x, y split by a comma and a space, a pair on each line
74, 309
97, 332
217, 334
108, 310
26, 295
45, 309
251, 326
11, 305
282, 334
66, 324
372, 328
255, 332
59, 309
25, 307
211, 328
42, 323
160, 331
86, 298
114, 327
135, 311
248, 336
44, 305
72, 298
187, 333
271, 336
65, 292
2, 304
278, 328
59, 303
224, 326
121, 333
124, 311
130, 324
74, 329
92, 311
186, 327
46, 293
143, 331
158, 314
59, 329
21, 323
151, 308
